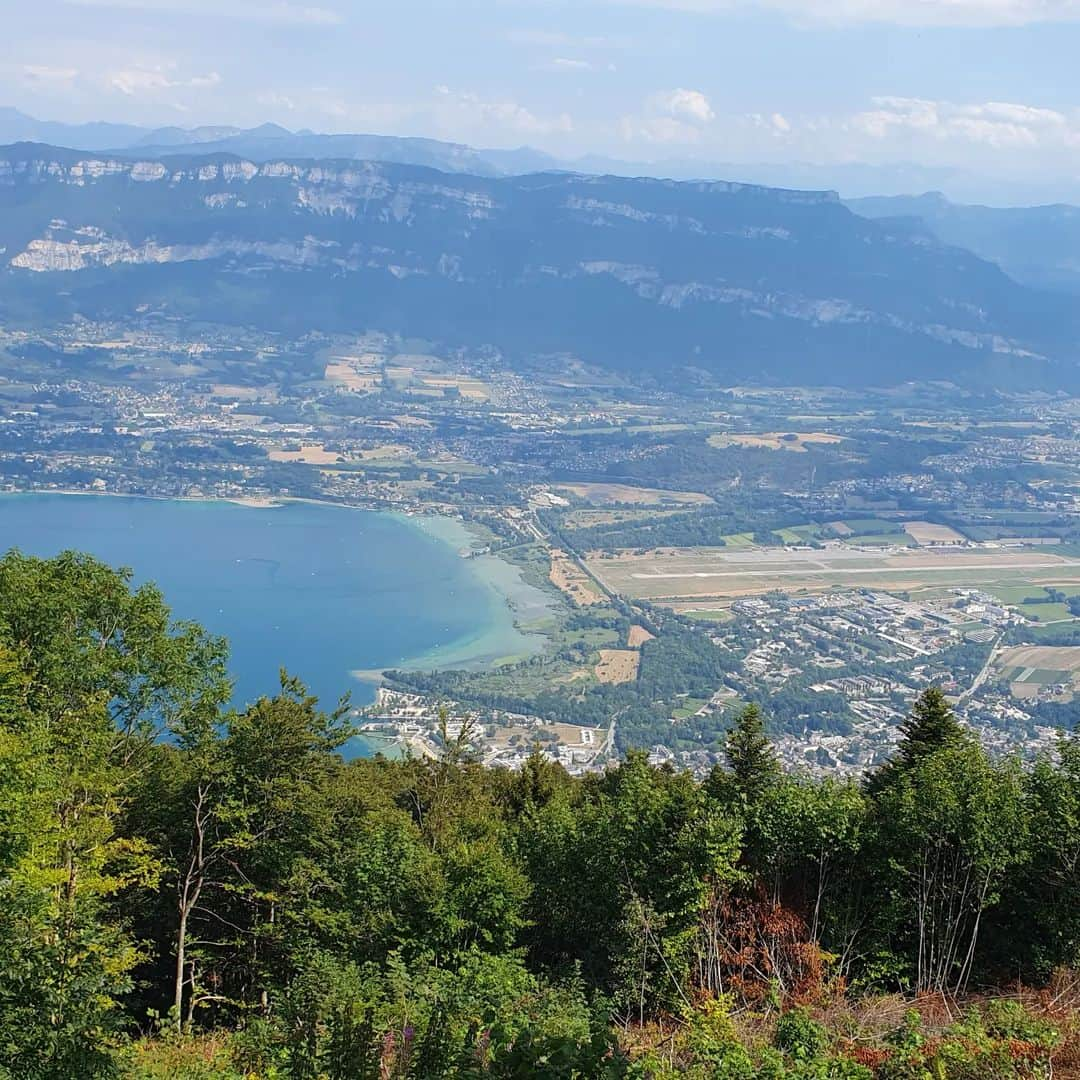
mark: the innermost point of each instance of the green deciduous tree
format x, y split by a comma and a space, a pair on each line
66, 956
83, 634
948, 830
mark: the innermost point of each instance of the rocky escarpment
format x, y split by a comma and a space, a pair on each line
641, 274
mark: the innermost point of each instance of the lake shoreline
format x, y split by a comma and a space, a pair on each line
493, 637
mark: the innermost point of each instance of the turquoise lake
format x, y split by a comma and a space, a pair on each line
328, 592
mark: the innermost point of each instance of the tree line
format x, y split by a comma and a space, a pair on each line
189, 889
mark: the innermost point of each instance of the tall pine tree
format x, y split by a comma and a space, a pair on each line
752, 763
930, 727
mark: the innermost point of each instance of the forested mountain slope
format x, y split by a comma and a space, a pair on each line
648, 277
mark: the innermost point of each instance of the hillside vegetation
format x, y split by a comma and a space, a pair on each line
192, 891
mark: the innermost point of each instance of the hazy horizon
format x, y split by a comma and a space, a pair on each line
980, 94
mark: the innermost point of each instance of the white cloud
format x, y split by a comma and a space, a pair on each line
669, 116
683, 105
252, 10
996, 124
37, 74
901, 12
273, 100
563, 63
453, 109
149, 80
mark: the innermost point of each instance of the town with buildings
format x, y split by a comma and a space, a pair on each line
559, 469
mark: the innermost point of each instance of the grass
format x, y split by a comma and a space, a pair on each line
897, 539
1014, 596
872, 525
719, 615
738, 540
1046, 612
687, 708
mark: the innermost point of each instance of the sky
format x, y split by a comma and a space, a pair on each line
988, 86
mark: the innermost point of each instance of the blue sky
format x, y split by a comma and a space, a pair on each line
987, 85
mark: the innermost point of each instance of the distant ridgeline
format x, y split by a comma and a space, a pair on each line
654, 278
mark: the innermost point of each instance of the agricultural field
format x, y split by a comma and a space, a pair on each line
881, 539
1029, 668
568, 734
689, 707
617, 665
314, 454
926, 533
795, 441
242, 393
735, 541
350, 376
704, 574
619, 494
567, 576
1034, 603
469, 388
587, 519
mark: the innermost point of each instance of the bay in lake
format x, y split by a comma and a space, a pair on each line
327, 592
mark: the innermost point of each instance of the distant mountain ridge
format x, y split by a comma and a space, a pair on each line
1037, 245
659, 279
268, 141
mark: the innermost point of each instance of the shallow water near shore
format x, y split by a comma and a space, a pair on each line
327, 592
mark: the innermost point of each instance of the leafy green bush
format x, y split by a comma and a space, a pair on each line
800, 1035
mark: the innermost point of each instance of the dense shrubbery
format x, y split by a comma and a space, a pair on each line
188, 891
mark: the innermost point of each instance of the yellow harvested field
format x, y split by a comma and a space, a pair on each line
925, 532
472, 389
348, 375
1033, 670
568, 734
309, 455
1041, 657
618, 665
567, 576
1022, 690
796, 441
638, 636
610, 494
715, 574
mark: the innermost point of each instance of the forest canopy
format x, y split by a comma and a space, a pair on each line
189, 889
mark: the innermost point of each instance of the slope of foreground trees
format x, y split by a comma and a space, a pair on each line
189, 891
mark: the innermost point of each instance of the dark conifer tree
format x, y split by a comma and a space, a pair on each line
752, 762
931, 726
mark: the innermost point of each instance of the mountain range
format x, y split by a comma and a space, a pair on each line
269, 141
656, 279
1037, 245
